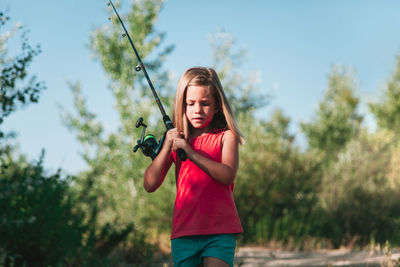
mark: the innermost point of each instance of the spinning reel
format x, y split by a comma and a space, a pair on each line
148, 143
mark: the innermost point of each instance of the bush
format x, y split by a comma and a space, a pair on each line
359, 200
38, 224
42, 223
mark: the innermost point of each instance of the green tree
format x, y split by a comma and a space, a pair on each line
360, 201
356, 195
387, 111
39, 224
114, 177
336, 121
15, 90
275, 185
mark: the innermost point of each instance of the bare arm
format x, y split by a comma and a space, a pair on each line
158, 169
224, 171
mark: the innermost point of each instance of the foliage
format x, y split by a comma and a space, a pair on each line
357, 194
43, 224
275, 186
337, 120
343, 188
13, 72
355, 197
107, 194
113, 182
387, 111
38, 222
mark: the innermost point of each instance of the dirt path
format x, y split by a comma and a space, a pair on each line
252, 257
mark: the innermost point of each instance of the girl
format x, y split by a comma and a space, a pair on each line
205, 218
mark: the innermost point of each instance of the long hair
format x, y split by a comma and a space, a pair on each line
201, 76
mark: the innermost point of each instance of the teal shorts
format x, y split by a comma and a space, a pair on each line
189, 251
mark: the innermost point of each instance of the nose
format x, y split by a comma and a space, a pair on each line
197, 108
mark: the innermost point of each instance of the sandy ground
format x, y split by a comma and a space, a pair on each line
252, 257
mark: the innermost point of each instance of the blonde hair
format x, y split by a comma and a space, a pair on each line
201, 76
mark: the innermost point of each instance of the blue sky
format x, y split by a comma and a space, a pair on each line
292, 43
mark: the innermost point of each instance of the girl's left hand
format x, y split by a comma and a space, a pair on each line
181, 143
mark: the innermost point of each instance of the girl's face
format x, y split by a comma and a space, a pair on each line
200, 106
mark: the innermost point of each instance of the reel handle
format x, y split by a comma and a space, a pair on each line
140, 123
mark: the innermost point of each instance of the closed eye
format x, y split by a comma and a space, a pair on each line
202, 103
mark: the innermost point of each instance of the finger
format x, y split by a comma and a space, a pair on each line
178, 143
173, 132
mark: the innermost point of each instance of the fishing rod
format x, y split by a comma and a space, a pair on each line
148, 143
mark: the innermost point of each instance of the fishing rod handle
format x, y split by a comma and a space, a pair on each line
168, 124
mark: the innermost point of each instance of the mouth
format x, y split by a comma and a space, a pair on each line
197, 119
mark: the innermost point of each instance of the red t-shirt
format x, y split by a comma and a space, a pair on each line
203, 205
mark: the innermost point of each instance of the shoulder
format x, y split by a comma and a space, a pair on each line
229, 147
229, 137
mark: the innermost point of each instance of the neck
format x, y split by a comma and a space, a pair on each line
196, 132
